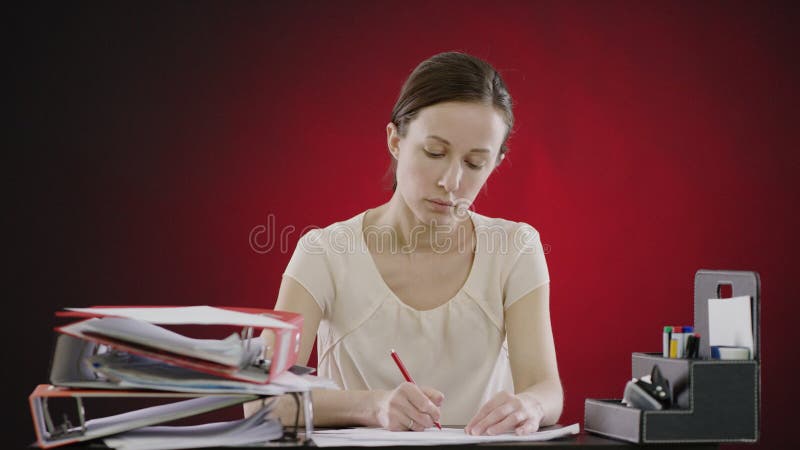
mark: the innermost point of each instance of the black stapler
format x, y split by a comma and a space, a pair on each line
649, 392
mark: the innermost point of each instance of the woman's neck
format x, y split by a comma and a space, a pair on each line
395, 224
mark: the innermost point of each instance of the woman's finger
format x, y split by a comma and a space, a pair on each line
529, 426
435, 396
398, 421
484, 410
507, 424
419, 400
494, 417
420, 418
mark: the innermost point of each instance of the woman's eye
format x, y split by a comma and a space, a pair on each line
432, 154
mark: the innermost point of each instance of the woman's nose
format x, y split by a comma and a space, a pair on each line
451, 178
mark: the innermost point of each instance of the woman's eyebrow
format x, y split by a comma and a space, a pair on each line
446, 142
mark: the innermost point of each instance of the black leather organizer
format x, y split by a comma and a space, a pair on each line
713, 400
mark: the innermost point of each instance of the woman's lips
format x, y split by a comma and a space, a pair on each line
440, 207
441, 202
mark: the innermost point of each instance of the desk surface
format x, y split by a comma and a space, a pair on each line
580, 441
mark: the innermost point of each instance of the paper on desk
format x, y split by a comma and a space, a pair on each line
294, 382
229, 351
375, 437
253, 430
133, 371
189, 315
730, 322
104, 426
138, 372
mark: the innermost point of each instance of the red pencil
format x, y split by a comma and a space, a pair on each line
407, 376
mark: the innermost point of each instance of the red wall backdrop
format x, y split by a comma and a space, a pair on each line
653, 139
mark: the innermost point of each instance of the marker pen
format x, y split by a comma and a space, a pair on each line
693, 345
673, 342
680, 338
665, 342
697, 345
687, 332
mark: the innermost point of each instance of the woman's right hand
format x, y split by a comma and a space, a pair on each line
409, 407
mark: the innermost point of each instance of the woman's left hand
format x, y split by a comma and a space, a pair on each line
505, 413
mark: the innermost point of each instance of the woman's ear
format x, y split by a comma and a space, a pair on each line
500, 159
393, 140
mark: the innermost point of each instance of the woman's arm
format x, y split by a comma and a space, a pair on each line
293, 297
532, 352
539, 397
389, 409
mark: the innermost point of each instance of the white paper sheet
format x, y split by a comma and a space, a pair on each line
376, 437
229, 351
299, 383
252, 430
730, 322
104, 426
186, 315
131, 371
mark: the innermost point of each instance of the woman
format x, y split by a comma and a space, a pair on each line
463, 298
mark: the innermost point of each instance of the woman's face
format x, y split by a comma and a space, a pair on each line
447, 155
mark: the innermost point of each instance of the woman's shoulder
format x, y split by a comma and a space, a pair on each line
512, 261
504, 231
344, 233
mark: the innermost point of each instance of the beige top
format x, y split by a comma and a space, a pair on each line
458, 348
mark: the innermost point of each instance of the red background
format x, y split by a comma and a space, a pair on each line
653, 139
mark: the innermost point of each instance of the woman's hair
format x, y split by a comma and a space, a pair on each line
451, 77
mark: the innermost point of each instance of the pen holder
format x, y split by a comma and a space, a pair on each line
713, 400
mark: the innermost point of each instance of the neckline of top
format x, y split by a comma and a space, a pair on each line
377, 273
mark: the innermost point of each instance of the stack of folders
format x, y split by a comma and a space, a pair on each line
113, 354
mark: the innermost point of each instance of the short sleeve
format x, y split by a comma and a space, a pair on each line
529, 268
310, 267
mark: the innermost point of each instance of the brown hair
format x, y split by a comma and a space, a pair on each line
449, 77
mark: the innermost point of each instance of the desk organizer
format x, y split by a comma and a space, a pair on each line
713, 400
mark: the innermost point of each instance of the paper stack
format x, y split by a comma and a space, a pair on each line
129, 353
